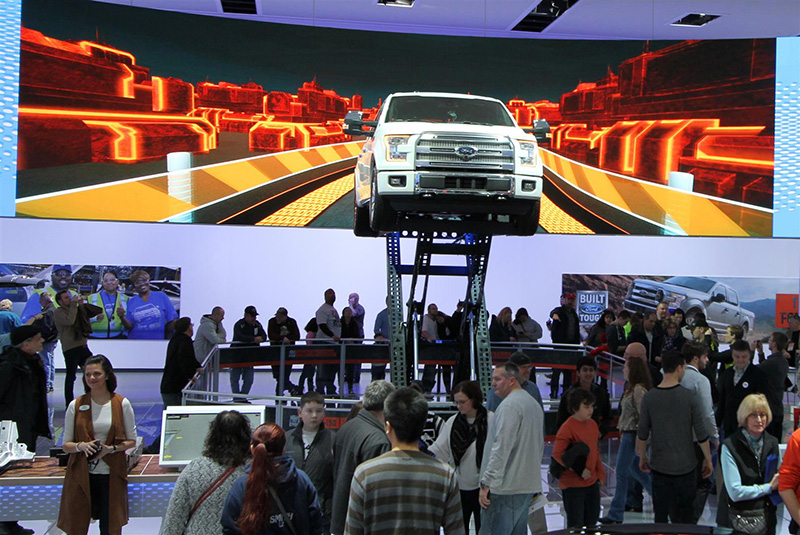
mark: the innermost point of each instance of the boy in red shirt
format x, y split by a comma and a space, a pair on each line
580, 483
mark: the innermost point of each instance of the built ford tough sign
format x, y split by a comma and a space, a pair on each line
448, 162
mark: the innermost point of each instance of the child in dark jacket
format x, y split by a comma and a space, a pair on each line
310, 444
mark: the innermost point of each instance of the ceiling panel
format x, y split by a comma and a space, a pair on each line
600, 19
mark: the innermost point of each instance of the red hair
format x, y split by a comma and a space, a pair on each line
268, 442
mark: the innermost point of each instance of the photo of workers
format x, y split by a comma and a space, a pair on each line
132, 302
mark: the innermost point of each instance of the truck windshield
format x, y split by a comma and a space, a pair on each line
695, 283
447, 110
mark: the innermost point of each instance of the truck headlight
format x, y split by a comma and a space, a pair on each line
676, 300
396, 148
528, 153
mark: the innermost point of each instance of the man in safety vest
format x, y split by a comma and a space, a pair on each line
108, 324
60, 279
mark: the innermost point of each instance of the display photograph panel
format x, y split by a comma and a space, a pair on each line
118, 302
758, 305
134, 115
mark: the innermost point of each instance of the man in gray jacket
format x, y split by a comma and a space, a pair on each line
514, 443
361, 439
696, 356
210, 333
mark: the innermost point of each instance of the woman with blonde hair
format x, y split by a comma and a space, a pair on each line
744, 459
501, 329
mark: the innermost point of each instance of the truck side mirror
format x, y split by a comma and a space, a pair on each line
354, 125
718, 298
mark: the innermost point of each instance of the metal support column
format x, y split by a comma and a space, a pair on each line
398, 365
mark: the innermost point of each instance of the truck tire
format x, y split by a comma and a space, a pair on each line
361, 226
528, 224
381, 217
690, 314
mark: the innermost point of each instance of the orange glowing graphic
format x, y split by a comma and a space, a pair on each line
158, 94
125, 144
137, 117
89, 47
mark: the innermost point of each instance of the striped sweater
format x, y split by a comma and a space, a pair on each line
404, 491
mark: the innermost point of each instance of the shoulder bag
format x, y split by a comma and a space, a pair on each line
209, 491
753, 522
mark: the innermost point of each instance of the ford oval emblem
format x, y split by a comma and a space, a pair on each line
466, 152
591, 309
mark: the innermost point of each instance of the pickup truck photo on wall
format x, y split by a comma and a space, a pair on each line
746, 301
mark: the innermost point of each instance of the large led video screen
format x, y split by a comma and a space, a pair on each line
130, 114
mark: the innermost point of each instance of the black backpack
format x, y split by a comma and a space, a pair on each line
47, 326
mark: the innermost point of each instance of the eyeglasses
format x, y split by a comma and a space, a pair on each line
760, 415
461, 402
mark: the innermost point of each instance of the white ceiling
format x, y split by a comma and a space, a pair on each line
588, 19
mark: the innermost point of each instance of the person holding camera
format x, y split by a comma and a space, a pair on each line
98, 428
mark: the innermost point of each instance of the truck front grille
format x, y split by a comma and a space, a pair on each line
441, 152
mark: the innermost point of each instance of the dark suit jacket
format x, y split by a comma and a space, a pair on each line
653, 350
754, 381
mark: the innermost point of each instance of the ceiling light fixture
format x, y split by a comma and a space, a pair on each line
694, 20
396, 3
544, 14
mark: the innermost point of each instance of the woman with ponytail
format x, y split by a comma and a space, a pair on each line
274, 498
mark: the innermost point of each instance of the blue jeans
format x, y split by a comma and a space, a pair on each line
48, 359
627, 464
507, 514
247, 374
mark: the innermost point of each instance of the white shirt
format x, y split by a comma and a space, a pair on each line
101, 423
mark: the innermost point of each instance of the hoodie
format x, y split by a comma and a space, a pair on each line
297, 493
208, 335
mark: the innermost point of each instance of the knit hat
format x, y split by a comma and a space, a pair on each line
20, 334
519, 358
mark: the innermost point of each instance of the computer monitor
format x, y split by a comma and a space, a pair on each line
184, 429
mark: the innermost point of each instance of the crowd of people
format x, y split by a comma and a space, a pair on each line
693, 419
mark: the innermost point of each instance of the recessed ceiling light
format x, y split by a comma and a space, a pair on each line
396, 3
543, 14
695, 20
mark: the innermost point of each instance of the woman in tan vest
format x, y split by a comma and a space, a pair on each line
98, 427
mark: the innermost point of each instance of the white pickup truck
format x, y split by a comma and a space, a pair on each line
445, 162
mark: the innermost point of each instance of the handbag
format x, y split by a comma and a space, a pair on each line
279, 503
209, 491
753, 522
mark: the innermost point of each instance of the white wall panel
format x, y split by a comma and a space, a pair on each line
271, 267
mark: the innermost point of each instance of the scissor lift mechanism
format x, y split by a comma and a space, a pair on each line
404, 337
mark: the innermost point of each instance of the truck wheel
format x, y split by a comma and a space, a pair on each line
381, 217
691, 313
361, 226
528, 224
746, 328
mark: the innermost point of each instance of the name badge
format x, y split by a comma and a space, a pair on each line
84, 408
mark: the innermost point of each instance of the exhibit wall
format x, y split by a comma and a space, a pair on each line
271, 267
647, 138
